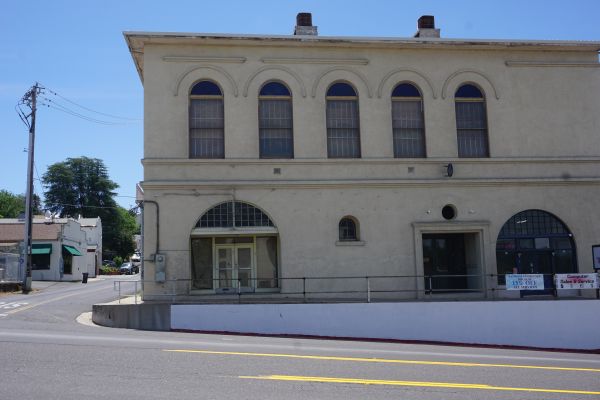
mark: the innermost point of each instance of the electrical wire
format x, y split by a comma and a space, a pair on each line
22, 114
55, 106
91, 110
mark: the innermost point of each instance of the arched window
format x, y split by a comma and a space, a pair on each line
471, 122
234, 214
206, 121
275, 121
348, 229
535, 242
407, 122
343, 133
234, 248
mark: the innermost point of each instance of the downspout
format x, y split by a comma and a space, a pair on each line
142, 202
143, 260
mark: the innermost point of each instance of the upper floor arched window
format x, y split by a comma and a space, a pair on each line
275, 121
343, 133
206, 121
407, 122
471, 122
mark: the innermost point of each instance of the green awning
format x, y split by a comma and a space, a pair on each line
71, 250
41, 248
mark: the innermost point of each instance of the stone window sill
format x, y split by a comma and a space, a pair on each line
350, 243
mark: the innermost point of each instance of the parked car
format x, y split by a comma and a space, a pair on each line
110, 263
136, 259
128, 268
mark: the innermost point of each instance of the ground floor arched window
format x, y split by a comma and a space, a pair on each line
535, 242
234, 247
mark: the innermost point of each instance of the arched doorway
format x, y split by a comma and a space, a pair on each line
535, 242
234, 248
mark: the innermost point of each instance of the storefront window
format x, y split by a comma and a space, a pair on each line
534, 241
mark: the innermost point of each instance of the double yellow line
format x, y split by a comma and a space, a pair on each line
447, 385
385, 360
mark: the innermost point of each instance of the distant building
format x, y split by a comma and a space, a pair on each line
60, 247
93, 232
432, 165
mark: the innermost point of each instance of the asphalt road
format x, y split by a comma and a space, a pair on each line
45, 353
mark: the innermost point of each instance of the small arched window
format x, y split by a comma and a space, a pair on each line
407, 122
471, 122
343, 133
206, 121
275, 121
348, 229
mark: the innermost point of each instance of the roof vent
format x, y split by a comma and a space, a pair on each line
304, 25
426, 26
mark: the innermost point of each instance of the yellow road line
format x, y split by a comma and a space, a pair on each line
447, 385
385, 360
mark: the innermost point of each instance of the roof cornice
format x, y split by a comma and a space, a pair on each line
136, 42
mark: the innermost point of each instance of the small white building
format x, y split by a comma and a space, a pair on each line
93, 255
59, 246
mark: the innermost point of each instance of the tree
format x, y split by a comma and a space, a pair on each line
81, 186
12, 205
123, 236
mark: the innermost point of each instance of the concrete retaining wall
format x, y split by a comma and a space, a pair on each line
154, 317
560, 324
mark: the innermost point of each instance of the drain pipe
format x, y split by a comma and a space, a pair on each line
142, 202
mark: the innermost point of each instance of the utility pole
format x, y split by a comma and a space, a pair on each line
29, 100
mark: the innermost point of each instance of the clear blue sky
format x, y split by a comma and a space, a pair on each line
76, 48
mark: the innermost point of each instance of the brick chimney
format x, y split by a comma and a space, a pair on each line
304, 25
426, 27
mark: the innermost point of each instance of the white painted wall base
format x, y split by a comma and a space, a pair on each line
565, 324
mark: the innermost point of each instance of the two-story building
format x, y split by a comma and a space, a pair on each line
426, 164
93, 238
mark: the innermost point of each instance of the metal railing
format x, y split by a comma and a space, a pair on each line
126, 293
348, 288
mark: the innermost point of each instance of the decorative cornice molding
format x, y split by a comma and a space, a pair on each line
400, 70
356, 73
469, 71
358, 183
276, 68
207, 59
338, 61
563, 64
450, 224
227, 76
375, 161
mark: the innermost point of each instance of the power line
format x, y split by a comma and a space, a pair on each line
22, 115
91, 110
38, 179
56, 106
82, 206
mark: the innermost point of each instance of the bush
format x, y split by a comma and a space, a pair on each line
108, 270
118, 260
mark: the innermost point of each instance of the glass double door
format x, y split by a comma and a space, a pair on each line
537, 262
444, 262
235, 267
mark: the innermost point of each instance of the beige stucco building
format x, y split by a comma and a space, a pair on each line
426, 164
